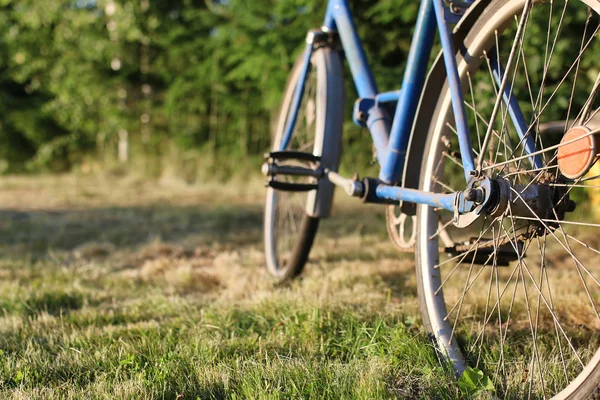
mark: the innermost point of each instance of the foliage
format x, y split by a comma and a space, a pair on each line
186, 78
203, 76
473, 382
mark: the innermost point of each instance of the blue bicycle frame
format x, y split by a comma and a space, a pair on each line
391, 140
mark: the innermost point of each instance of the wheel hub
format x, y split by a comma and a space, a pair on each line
538, 202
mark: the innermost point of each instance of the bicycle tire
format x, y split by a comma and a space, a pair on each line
524, 375
287, 246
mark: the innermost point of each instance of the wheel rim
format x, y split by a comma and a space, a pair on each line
286, 210
526, 329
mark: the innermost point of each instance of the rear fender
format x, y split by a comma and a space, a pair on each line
329, 135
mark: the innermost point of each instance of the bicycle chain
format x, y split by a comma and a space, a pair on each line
466, 247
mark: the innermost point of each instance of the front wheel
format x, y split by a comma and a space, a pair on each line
292, 218
517, 294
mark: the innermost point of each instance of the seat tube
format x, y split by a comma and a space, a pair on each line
339, 15
412, 86
329, 23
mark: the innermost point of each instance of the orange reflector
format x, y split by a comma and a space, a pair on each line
576, 158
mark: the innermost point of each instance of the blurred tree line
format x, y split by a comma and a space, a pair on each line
186, 79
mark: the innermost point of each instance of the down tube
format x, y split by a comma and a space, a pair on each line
412, 86
339, 17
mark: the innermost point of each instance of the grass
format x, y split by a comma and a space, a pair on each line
130, 289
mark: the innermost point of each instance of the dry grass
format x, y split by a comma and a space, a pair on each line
124, 288
132, 289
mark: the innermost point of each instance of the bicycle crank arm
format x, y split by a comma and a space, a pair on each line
352, 187
483, 196
466, 205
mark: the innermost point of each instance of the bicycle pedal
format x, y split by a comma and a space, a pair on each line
292, 187
292, 155
278, 164
482, 255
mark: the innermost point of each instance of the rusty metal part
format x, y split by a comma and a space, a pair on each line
401, 228
489, 243
500, 254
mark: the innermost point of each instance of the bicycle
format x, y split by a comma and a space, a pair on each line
486, 177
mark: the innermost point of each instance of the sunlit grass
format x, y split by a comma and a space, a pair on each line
131, 289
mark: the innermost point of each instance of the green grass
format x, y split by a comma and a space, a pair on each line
132, 289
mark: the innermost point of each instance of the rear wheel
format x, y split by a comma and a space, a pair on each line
292, 218
516, 296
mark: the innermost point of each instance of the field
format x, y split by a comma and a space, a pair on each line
121, 288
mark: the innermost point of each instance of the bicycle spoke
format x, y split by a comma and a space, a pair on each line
463, 296
587, 21
535, 355
442, 184
542, 249
468, 286
529, 171
499, 311
555, 147
511, 93
537, 117
542, 221
474, 108
581, 243
526, 269
509, 66
527, 78
585, 286
462, 256
537, 314
549, 58
555, 221
520, 324
523, 265
489, 292
440, 229
471, 284
502, 135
